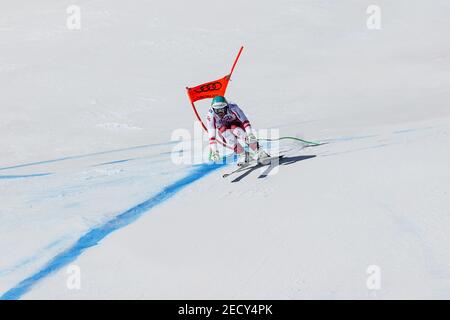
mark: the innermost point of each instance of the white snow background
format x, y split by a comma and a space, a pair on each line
86, 176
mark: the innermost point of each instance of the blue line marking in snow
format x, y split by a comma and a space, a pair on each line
25, 262
87, 155
92, 237
25, 176
349, 138
112, 162
412, 130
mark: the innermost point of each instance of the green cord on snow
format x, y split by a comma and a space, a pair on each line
293, 138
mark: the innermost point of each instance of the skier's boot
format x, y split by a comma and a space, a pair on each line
262, 156
243, 159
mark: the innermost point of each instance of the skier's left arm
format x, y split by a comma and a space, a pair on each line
243, 118
246, 124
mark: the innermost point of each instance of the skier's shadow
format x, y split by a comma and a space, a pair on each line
283, 161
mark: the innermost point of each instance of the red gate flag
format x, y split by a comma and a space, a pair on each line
209, 89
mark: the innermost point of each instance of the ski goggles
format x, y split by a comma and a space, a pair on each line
220, 107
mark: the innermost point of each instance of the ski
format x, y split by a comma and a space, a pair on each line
253, 164
241, 168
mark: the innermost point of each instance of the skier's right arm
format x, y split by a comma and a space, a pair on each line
211, 126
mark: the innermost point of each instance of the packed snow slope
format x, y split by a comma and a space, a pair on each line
86, 176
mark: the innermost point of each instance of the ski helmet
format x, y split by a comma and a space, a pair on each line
219, 104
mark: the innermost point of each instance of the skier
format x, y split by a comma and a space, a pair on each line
232, 124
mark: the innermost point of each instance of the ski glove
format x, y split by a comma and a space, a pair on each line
214, 156
251, 139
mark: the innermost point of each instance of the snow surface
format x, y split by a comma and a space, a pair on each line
86, 176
